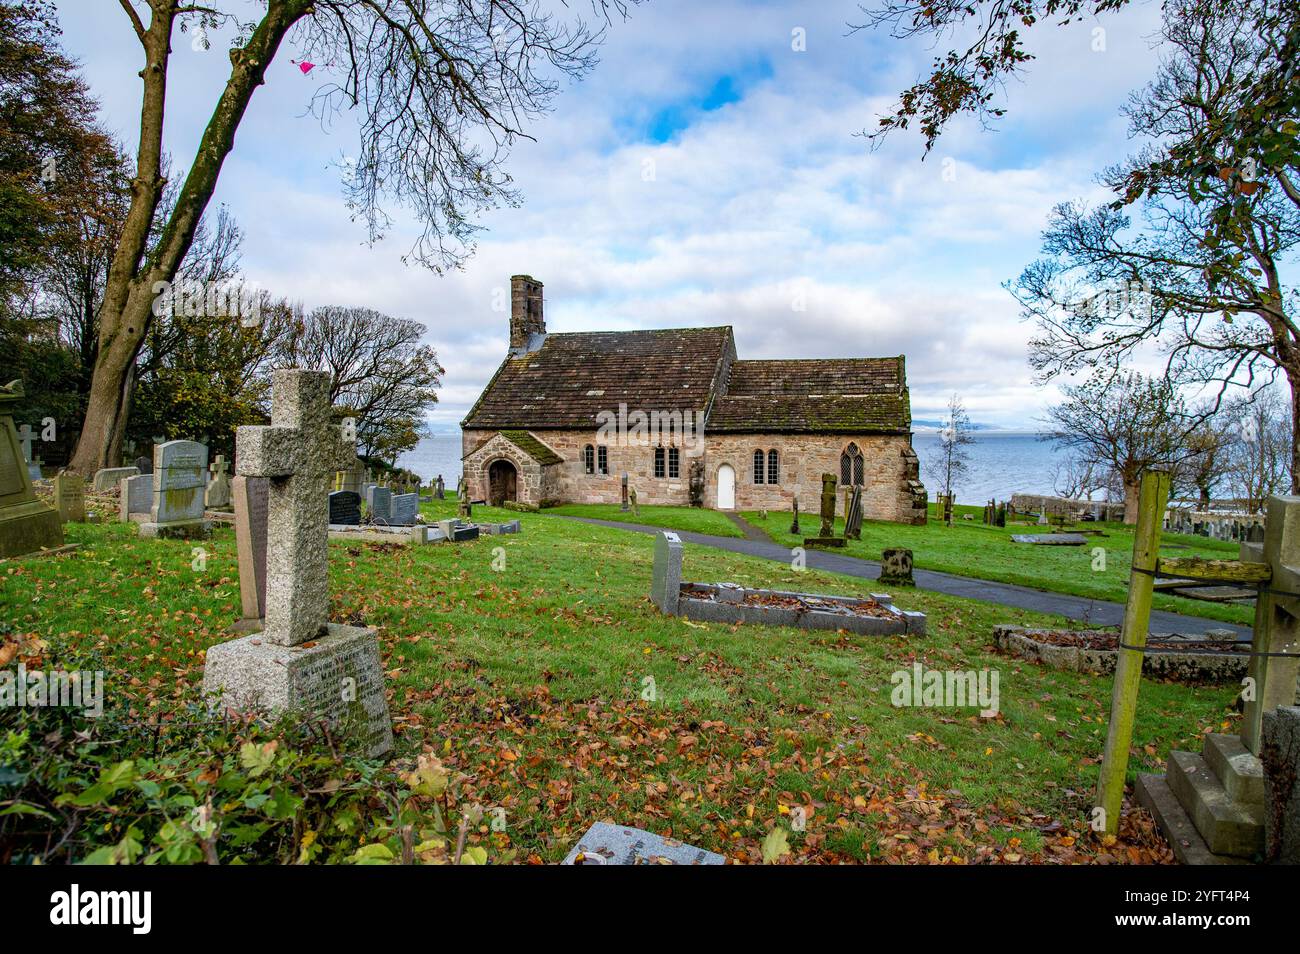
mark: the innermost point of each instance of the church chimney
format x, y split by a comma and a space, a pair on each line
525, 310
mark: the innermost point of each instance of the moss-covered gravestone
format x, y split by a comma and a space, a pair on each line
26, 524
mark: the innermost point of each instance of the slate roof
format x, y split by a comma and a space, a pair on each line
568, 379
532, 447
574, 376
832, 396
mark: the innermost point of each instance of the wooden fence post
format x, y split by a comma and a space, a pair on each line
1153, 496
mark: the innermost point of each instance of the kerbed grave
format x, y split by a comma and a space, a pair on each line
732, 603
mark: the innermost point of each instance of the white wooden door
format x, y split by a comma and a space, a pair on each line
726, 488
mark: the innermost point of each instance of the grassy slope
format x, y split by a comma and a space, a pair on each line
529, 680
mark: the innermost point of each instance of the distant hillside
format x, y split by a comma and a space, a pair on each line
940, 425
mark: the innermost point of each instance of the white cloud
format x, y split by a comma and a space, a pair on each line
748, 202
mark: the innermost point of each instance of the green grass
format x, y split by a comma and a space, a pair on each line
691, 519
530, 681
969, 548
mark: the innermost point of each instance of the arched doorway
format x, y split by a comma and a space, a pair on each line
503, 482
726, 488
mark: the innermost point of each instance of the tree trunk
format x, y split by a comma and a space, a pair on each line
1132, 491
127, 309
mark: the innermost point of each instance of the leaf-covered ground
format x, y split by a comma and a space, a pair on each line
536, 665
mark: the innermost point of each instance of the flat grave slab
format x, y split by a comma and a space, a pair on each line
606, 844
1050, 539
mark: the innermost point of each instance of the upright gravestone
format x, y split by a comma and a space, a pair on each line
179, 468
794, 522
144, 464
217, 496
135, 496
249, 496
625, 493
439, 488
404, 509
345, 508
70, 497
465, 509
26, 524
381, 505
853, 516
300, 660
896, 567
108, 478
666, 583
827, 536
353, 476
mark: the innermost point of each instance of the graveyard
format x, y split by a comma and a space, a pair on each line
331, 534
532, 681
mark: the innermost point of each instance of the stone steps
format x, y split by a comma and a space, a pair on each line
1228, 827
1153, 794
1239, 771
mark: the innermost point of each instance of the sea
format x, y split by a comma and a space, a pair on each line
1001, 463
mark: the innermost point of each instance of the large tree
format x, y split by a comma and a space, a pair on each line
1124, 423
1206, 287
443, 88
380, 373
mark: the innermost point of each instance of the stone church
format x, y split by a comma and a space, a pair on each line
567, 415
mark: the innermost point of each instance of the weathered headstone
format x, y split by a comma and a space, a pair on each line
26, 524
631, 496
70, 497
381, 505
896, 567
345, 508
464, 510
439, 488
300, 660
853, 516
404, 510
179, 472
144, 464
606, 844
135, 496
666, 583
217, 496
107, 478
249, 495
828, 505
625, 493
794, 522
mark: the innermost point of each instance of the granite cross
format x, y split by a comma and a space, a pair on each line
299, 451
219, 467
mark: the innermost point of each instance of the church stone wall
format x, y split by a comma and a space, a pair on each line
889, 465
890, 489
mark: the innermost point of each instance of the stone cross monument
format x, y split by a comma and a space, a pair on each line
300, 660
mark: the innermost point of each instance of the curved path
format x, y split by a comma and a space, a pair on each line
1100, 612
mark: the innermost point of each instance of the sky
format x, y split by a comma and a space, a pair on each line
707, 171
